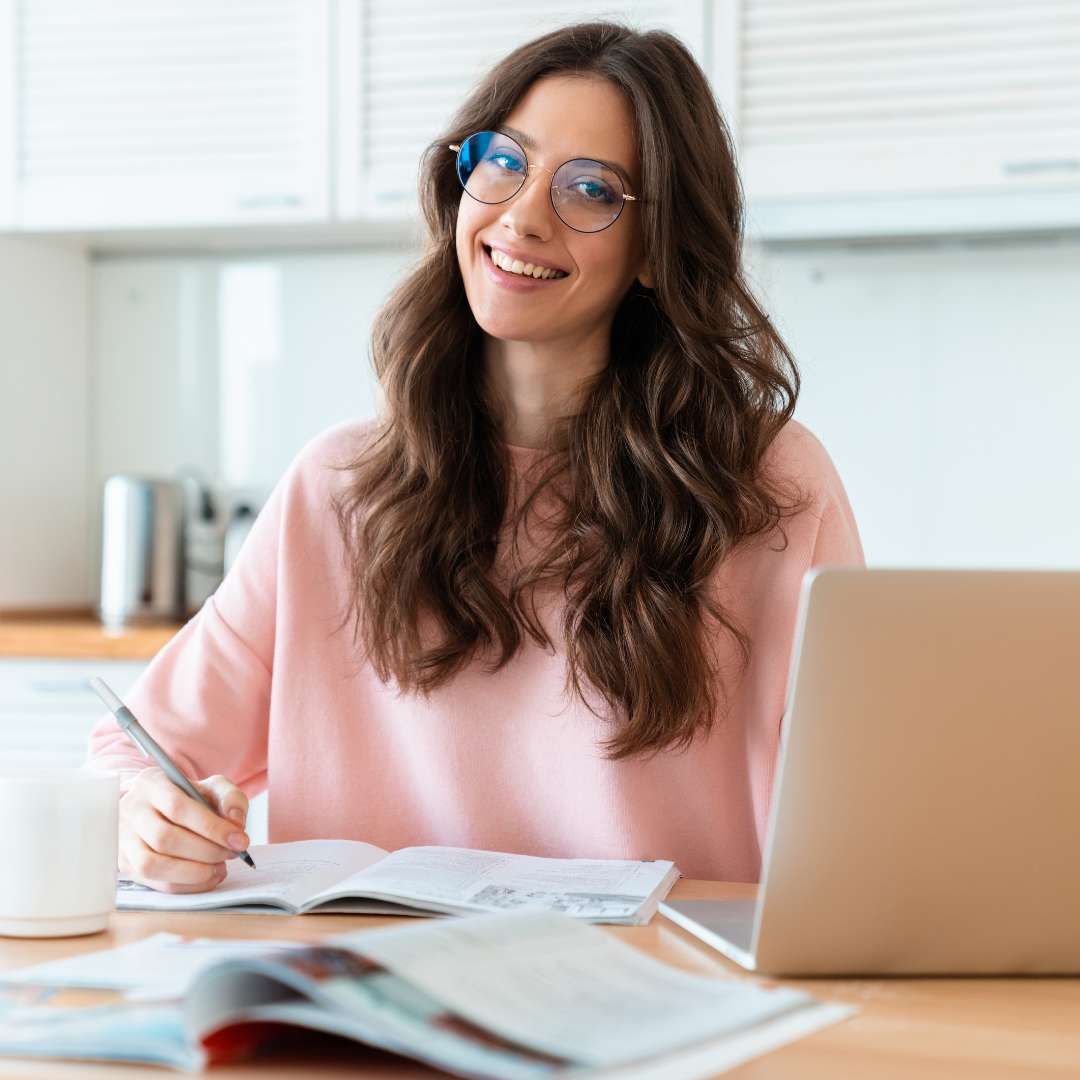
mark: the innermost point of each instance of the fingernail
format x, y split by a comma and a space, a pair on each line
237, 815
237, 842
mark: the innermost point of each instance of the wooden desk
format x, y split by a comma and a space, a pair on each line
930, 1029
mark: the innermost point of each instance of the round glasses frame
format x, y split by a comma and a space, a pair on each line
551, 187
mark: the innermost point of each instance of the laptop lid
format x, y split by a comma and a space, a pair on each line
926, 810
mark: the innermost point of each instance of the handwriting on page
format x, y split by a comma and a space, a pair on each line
276, 875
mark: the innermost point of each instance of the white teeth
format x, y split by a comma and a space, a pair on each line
516, 266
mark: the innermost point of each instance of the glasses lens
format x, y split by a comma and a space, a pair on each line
491, 166
587, 195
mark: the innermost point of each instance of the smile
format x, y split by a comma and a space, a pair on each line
525, 272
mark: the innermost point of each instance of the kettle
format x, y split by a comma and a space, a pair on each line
142, 552
166, 546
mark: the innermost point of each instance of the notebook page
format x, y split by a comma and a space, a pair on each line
289, 872
493, 881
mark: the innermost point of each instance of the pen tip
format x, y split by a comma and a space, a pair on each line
248, 859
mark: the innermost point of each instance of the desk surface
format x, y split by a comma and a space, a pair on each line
932, 1029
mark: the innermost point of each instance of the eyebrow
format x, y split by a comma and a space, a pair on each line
530, 144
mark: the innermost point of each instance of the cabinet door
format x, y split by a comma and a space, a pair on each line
47, 709
170, 112
405, 66
958, 101
7, 114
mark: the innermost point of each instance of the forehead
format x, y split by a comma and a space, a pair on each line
562, 117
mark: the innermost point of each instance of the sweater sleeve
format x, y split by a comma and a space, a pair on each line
205, 696
837, 541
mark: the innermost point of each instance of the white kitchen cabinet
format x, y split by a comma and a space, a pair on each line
7, 115
147, 123
929, 116
47, 708
404, 66
163, 113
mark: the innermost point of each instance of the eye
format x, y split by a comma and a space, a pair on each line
593, 190
512, 161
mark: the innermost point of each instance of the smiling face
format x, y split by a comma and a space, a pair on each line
564, 117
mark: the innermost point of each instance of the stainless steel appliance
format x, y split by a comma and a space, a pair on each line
142, 551
167, 544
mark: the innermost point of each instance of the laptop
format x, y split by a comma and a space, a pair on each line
926, 811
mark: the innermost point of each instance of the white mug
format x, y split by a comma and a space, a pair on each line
58, 846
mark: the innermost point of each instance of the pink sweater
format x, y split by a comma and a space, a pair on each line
258, 687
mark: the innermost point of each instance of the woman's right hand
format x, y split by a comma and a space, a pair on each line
172, 843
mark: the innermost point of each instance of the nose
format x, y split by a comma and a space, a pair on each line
530, 206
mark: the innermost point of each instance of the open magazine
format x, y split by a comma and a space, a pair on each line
524, 994
358, 878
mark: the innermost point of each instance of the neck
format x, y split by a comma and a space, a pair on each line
532, 385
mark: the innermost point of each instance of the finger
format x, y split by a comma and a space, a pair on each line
128, 871
167, 838
231, 802
163, 871
183, 810
172, 887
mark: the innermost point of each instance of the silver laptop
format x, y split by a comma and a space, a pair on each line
926, 810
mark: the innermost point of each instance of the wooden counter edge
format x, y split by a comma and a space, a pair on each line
77, 634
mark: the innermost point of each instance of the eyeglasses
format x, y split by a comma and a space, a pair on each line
586, 194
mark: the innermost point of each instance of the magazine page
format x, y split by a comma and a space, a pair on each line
573, 991
285, 876
331, 989
462, 880
158, 966
135, 1033
513, 996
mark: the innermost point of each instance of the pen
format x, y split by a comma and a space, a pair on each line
142, 738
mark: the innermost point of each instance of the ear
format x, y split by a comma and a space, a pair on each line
646, 277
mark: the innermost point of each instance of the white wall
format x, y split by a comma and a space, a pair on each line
227, 365
44, 384
943, 378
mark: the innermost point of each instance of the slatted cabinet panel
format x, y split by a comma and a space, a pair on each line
405, 66
7, 114
169, 112
47, 708
845, 100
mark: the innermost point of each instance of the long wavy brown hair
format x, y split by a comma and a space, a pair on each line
659, 473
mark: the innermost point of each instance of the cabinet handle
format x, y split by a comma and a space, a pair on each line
1041, 165
61, 686
254, 202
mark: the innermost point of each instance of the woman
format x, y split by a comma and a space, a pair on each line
560, 549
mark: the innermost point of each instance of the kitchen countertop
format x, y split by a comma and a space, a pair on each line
77, 633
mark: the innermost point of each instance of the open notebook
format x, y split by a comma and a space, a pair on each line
357, 878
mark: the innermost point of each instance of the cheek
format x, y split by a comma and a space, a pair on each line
604, 263
472, 215
462, 228
471, 220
